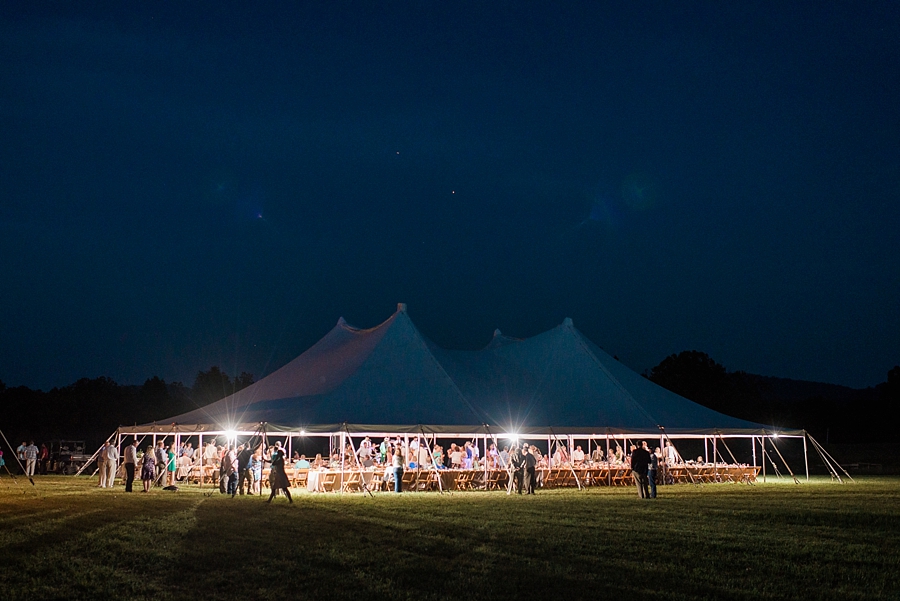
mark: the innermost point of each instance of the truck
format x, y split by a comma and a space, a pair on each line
67, 456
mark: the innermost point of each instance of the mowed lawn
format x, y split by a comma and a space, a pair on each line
66, 539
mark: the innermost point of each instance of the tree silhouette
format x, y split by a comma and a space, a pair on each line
210, 386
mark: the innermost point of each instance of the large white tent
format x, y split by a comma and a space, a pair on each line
391, 380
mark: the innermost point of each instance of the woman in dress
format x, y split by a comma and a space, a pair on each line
170, 465
277, 477
148, 468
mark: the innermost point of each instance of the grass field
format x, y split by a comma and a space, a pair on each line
66, 539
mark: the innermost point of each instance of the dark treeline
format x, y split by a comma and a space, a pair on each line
91, 409
829, 412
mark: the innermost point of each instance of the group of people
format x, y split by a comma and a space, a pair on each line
34, 459
241, 469
240, 466
156, 465
644, 467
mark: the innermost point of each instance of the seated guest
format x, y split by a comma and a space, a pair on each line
578, 456
455, 456
302, 463
597, 455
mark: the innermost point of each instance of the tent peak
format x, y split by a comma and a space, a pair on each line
401, 307
568, 322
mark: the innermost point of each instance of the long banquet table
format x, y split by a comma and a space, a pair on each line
557, 477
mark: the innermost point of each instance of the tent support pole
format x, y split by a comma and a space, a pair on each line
753, 445
608, 461
94, 456
437, 472
362, 479
774, 446
342, 459
762, 455
818, 446
200, 453
715, 461
805, 456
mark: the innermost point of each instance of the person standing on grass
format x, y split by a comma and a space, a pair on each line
170, 465
398, 469
652, 471
278, 479
130, 461
148, 468
640, 464
43, 459
254, 468
244, 476
112, 464
228, 470
160, 459
530, 462
31, 455
101, 464
20, 453
517, 464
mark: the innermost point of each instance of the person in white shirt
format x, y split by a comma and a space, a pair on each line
578, 455
101, 464
671, 454
112, 464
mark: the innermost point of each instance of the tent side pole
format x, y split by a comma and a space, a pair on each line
608, 462
753, 445
715, 460
342, 460
199, 452
805, 456
762, 446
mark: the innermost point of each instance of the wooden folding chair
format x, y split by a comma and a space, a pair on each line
352, 482
301, 477
331, 481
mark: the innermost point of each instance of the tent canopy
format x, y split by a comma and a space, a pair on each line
557, 381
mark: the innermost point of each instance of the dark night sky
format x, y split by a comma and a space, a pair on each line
217, 183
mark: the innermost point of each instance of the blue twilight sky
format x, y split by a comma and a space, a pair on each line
197, 183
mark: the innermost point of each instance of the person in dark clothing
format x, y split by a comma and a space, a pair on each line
640, 464
651, 473
244, 455
278, 479
517, 463
530, 463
